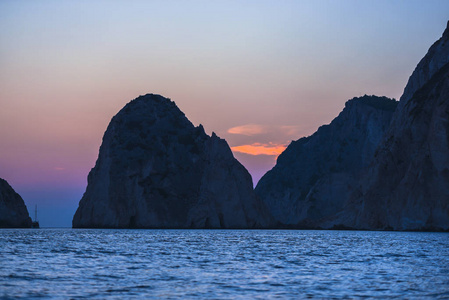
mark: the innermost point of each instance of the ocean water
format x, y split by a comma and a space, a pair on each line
222, 264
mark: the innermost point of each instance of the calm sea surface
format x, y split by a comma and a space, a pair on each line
211, 264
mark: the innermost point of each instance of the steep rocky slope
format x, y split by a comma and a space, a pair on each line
13, 212
437, 56
315, 175
397, 181
156, 170
407, 187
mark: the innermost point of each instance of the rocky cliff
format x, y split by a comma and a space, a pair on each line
315, 175
436, 57
13, 212
156, 170
359, 172
407, 187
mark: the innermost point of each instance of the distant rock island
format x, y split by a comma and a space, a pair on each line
371, 168
156, 170
13, 212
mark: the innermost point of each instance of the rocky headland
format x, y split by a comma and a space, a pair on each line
315, 175
155, 169
373, 169
407, 186
13, 212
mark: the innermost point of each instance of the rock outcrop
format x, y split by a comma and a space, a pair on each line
407, 187
436, 57
156, 170
13, 212
397, 181
315, 175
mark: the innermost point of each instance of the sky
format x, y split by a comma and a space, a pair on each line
257, 73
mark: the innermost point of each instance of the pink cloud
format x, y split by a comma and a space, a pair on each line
249, 129
257, 129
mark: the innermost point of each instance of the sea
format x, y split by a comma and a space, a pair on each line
222, 264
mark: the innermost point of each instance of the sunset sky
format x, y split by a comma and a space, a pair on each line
257, 73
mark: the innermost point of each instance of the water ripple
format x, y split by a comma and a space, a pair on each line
223, 264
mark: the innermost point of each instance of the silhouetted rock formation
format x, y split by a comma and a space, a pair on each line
436, 57
156, 170
315, 175
13, 212
335, 179
407, 187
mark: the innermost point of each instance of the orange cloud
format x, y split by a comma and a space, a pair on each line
249, 129
260, 149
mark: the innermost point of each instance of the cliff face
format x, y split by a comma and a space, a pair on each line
13, 212
314, 176
432, 62
156, 170
407, 187
363, 171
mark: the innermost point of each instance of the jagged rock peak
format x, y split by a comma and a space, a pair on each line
156, 170
13, 212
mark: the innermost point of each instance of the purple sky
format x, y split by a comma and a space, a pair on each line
258, 73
